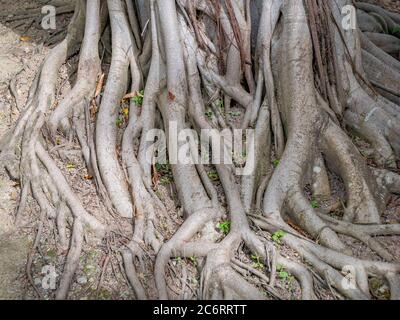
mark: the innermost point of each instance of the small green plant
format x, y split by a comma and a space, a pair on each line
283, 274
257, 261
395, 30
193, 259
178, 259
275, 163
165, 173
138, 98
165, 180
277, 236
213, 175
220, 105
51, 254
209, 114
89, 269
224, 227
119, 122
163, 167
315, 204
235, 114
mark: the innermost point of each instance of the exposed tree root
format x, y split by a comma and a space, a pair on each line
190, 57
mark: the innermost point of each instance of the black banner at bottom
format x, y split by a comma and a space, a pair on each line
255, 310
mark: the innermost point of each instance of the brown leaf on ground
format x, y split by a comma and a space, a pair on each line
171, 96
99, 86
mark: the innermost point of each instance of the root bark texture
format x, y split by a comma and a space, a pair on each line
291, 74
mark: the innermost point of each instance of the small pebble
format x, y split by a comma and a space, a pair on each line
38, 281
82, 280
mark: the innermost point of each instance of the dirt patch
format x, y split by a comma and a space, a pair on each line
20, 58
13, 246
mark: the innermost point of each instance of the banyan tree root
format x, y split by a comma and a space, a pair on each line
192, 63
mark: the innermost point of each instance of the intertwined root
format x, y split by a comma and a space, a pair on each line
195, 55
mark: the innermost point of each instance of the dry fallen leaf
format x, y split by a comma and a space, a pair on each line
171, 96
99, 85
25, 38
129, 95
132, 95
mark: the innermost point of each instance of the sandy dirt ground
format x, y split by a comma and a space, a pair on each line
14, 246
